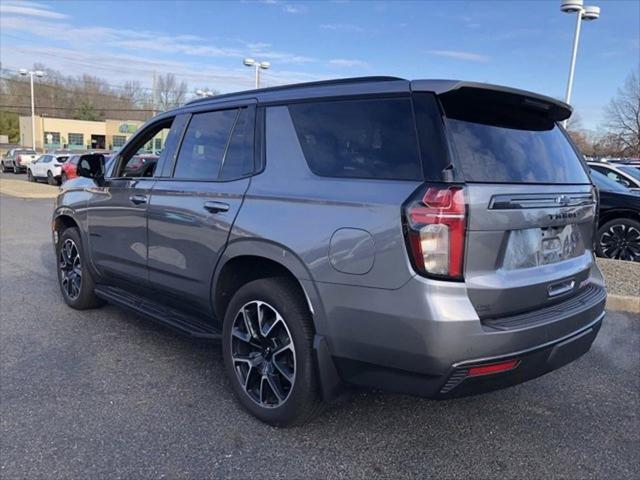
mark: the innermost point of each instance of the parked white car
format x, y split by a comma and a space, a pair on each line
626, 175
47, 167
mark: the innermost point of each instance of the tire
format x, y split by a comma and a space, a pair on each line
298, 400
50, 179
30, 177
5, 169
77, 294
619, 239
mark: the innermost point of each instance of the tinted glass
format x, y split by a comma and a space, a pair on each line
605, 183
204, 144
631, 171
490, 153
238, 162
359, 138
433, 145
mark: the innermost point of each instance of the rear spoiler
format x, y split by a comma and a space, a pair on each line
459, 94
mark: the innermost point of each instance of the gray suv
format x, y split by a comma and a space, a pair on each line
429, 237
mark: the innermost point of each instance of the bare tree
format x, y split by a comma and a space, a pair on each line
623, 116
169, 92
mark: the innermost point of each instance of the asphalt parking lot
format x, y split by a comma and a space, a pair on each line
108, 394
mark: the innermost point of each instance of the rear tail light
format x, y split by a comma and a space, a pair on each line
493, 368
435, 230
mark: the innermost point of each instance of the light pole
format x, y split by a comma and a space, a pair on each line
204, 92
39, 74
582, 13
250, 62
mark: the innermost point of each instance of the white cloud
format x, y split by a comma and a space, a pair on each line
29, 9
144, 40
342, 27
136, 67
289, 8
344, 62
460, 55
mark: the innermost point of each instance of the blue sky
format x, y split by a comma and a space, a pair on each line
525, 44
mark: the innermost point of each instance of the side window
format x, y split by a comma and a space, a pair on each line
142, 156
359, 138
204, 145
47, 159
238, 161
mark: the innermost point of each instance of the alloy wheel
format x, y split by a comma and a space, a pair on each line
621, 242
263, 354
70, 269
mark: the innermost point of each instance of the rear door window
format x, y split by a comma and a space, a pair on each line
204, 145
372, 138
493, 153
238, 161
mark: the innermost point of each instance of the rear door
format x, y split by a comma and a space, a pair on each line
531, 206
193, 207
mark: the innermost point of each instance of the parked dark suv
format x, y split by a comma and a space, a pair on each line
427, 237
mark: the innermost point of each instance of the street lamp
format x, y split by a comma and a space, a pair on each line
39, 74
204, 92
250, 62
582, 13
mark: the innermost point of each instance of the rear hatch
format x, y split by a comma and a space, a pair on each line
531, 206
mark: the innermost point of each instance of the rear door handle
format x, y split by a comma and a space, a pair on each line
138, 199
216, 207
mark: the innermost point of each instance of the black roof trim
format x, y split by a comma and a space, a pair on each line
321, 83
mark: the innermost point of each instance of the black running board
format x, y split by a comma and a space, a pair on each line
174, 319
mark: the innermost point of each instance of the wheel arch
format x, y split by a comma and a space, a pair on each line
617, 213
249, 259
64, 218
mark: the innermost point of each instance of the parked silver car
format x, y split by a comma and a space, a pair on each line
429, 237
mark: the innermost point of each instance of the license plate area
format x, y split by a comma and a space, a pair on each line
534, 247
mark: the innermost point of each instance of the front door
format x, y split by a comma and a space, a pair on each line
192, 211
39, 167
117, 209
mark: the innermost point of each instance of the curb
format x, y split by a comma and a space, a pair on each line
623, 303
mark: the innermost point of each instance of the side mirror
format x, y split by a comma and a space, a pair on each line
91, 166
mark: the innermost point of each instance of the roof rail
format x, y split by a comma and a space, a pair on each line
320, 83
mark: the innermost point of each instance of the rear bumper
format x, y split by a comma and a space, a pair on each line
385, 339
531, 364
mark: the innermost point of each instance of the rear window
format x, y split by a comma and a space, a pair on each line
359, 138
491, 153
605, 183
632, 171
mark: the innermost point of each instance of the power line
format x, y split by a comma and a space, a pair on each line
71, 108
42, 84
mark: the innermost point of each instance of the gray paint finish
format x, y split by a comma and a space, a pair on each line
343, 240
352, 250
